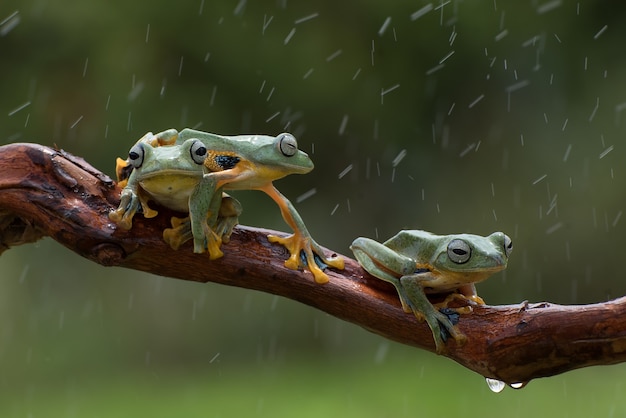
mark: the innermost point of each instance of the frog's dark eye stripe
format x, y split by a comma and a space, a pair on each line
226, 161
135, 155
124, 172
219, 161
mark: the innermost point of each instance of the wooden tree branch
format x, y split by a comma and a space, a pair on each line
45, 192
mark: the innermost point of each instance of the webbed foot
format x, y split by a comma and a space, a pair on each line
471, 299
179, 233
122, 217
130, 203
210, 242
304, 248
443, 325
442, 322
228, 217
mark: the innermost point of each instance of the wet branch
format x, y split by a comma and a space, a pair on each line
45, 192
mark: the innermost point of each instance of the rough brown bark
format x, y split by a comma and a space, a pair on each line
46, 192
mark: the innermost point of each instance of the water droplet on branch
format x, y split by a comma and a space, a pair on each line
496, 386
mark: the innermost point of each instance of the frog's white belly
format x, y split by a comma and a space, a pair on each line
173, 192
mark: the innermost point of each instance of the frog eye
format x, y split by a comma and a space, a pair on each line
459, 251
135, 155
508, 245
198, 152
287, 144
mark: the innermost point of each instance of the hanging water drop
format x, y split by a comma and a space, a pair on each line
495, 385
518, 385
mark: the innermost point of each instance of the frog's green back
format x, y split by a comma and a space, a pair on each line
261, 150
208, 139
414, 243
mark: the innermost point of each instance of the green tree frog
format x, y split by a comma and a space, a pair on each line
242, 162
418, 262
170, 176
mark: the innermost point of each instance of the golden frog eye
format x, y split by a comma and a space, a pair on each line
459, 251
135, 155
287, 144
198, 152
508, 245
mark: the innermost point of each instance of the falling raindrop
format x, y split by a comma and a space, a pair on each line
289, 36
306, 18
266, 22
306, 195
9, 23
20, 107
495, 385
381, 353
345, 171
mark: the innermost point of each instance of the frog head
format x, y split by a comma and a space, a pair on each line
168, 173
281, 154
256, 160
186, 159
471, 258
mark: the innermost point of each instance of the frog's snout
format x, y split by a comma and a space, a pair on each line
505, 244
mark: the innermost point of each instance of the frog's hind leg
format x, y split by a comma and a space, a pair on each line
204, 206
300, 244
367, 251
467, 294
167, 137
228, 217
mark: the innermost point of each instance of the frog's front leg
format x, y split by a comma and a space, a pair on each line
129, 204
300, 244
418, 301
204, 206
131, 199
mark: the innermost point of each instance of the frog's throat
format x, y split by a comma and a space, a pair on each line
443, 280
478, 271
170, 173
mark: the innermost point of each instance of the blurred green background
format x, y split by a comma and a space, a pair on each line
461, 117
